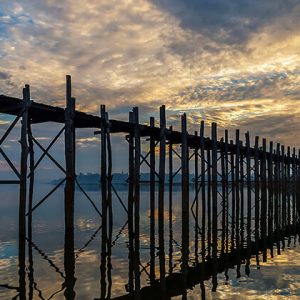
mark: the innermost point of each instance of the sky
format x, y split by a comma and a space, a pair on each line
235, 62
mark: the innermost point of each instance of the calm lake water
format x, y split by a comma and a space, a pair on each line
278, 278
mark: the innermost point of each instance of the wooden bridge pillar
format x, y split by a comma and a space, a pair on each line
23, 168
23, 194
69, 156
185, 202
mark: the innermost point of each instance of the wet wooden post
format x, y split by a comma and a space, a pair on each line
270, 198
161, 192
208, 168
294, 191
237, 199
170, 204
233, 196
214, 205
23, 164
103, 179
109, 204
203, 189
288, 178
249, 204
69, 156
196, 188
136, 177
29, 218
130, 207
223, 174
23, 192
263, 216
152, 204
283, 196
277, 195
31, 177
242, 177
185, 202
226, 193
69, 257
256, 191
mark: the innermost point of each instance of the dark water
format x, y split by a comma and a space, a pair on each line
51, 274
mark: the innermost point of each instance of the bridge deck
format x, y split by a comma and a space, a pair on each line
42, 113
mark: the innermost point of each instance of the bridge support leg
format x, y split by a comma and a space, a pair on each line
69, 156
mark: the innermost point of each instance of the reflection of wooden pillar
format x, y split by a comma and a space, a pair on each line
69, 156
69, 264
23, 193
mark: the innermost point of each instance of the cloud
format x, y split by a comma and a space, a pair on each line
233, 62
228, 22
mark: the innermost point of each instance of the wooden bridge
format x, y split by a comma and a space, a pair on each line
231, 221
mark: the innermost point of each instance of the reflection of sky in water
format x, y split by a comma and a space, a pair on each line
277, 279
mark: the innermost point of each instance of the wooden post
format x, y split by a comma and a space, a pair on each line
69, 156
256, 191
170, 205
242, 176
294, 178
31, 178
24, 156
270, 186
109, 204
223, 173
136, 177
233, 195
214, 205
227, 194
249, 204
288, 178
196, 188
277, 195
130, 208
161, 191
263, 216
152, 205
103, 179
23, 193
203, 188
208, 168
283, 196
185, 202
237, 199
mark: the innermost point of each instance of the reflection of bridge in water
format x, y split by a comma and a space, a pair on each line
244, 199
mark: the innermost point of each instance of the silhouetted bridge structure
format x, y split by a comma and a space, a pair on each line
244, 198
